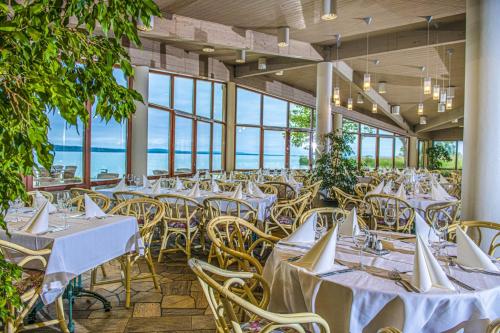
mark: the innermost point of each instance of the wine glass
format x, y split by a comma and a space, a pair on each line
319, 229
390, 215
339, 219
360, 241
440, 229
17, 204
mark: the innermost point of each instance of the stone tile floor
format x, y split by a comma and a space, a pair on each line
179, 305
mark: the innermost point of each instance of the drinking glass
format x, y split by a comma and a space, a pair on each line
17, 204
360, 241
439, 228
319, 230
339, 219
390, 215
137, 181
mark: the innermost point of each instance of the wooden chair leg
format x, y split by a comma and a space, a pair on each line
163, 244
93, 279
103, 271
60, 315
149, 261
128, 277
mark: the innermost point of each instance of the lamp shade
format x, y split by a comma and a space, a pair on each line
374, 108
145, 27
262, 64
329, 10
283, 36
349, 103
395, 109
241, 56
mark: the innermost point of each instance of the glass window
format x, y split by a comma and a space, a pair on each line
400, 150
299, 150
159, 89
203, 146
451, 147
460, 154
67, 140
158, 141
368, 151
300, 116
204, 98
219, 96
248, 107
382, 132
420, 154
274, 149
275, 112
183, 94
108, 155
349, 126
385, 153
120, 77
368, 129
247, 147
353, 138
218, 138
183, 144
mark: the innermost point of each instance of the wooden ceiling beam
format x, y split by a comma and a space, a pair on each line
273, 65
449, 33
186, 29
442, 119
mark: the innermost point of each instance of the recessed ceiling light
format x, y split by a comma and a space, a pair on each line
279, 73
329, 10
283, 36
208, 49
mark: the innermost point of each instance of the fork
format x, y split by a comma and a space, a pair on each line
396, 276
475, 270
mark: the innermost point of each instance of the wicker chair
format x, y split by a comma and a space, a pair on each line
362, 189
121, 196
473, 228
347, 201
234, 313
389, 330
148, 212
404, 212
268, 189
314, 189
77, 191
327, 217
100, 199
226, 186
29, 288
239, 243
181, 221
286, 191
285, 214
449, 211
47, 195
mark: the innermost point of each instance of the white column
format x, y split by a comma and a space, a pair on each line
481, 169
231, 125
324, 80
140, 123
413, 152
337, 123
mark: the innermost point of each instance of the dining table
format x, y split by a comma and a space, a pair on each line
260, 204
366, 298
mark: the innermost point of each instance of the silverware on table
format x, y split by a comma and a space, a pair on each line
460, 283
476, 270
396, 276
295, 245
341, 271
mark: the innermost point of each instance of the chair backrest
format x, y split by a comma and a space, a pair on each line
232, 302
147, 211
345, 201
225, 186
285, 190
77, 191
388, 330
239, 243
314, 189
404, 212
179, 208
100, 199
473, 228
268, 189
327, 217
219, 205
447, 211
121, 196
362, 189
47, 195
291, 210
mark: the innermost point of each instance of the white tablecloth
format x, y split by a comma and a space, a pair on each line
362, 302
84, 245
421, 201
260, 204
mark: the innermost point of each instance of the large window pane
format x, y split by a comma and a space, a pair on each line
203, 146
299, 150
300, 116
349, 126
159, 89
247, 147
183, 144
219, 95
158, 141
385, 152
120, 77
460, 155
275, 112
204, 98
248, 107
368, 129
274, 149
400, 152
353, 138
382, 132
368, 151
68, 153
450, 146
108, 156
183, 94
217, 146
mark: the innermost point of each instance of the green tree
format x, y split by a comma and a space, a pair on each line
57, 54
300, 117
436, 156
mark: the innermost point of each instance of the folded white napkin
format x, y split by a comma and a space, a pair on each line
388, 187
121, 186
401, 193
424, 230
238, 193
223, 176
214, 186
438, 193
231, 176
470, 255
260, 179
195, 191
40, 200
196, 176
255, 190
92, 209
305, 233
145, 182
350, 227
178, 184
156, 187
426, 270
321, 257
378, 189
39, 223
443, 180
